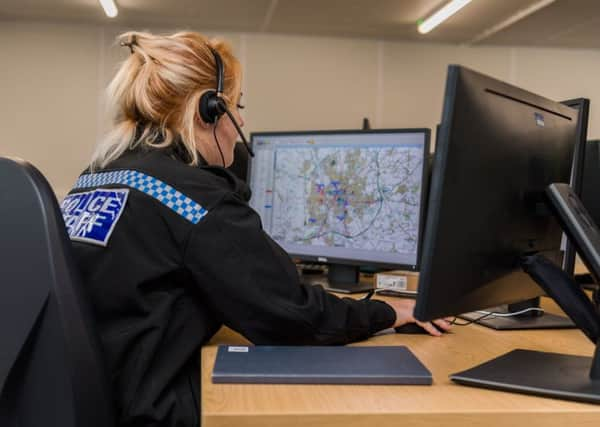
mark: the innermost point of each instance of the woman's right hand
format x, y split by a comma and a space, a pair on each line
404, 308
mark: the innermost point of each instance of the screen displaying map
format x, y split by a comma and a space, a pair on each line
350, 196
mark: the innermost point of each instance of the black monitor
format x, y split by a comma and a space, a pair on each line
591, 179
348, 198
582, 105
498, 148
591, 199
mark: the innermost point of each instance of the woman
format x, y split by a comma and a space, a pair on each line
169, 248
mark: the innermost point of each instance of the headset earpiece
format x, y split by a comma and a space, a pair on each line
211, 106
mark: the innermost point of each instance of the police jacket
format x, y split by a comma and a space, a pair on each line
169, 253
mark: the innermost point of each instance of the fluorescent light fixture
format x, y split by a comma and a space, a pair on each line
110, 8
441, 15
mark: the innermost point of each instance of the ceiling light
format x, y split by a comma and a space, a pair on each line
441, 15
110, 8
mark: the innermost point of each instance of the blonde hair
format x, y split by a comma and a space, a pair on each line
154, 96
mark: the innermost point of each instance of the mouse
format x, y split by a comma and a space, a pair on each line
413, 328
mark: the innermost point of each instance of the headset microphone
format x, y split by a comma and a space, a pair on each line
239, 131
212, 106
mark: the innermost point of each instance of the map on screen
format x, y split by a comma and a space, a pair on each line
364, 198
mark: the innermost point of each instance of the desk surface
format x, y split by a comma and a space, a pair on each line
443, 404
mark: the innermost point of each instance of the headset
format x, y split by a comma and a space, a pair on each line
212, 106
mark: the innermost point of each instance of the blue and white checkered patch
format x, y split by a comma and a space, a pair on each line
91, 216
159, 190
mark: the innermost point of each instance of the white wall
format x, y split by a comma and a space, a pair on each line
49, 96
52, 76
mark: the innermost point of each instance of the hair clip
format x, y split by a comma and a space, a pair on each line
132, 41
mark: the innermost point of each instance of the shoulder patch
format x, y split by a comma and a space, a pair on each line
153, 187
91, 216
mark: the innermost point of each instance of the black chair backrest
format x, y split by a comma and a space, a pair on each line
52, 372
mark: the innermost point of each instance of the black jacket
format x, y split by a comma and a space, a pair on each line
162, 283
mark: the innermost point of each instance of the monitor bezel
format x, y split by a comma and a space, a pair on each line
424, 193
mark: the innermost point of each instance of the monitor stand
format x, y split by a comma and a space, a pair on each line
555, 375
531, 320
560, 376
346, 279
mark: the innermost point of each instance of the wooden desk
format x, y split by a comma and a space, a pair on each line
443, 404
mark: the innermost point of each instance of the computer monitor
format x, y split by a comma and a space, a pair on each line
346, 198
498, 148
590, 198
591, 179
582, 105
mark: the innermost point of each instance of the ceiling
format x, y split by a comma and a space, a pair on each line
552, 23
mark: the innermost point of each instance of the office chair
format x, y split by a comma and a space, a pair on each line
52, 371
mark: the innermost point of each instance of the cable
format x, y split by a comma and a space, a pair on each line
485, 314
239, 130
515, 313
223, 105
455, 320
217, 141
368, 296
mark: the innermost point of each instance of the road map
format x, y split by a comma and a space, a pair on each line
365, 197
